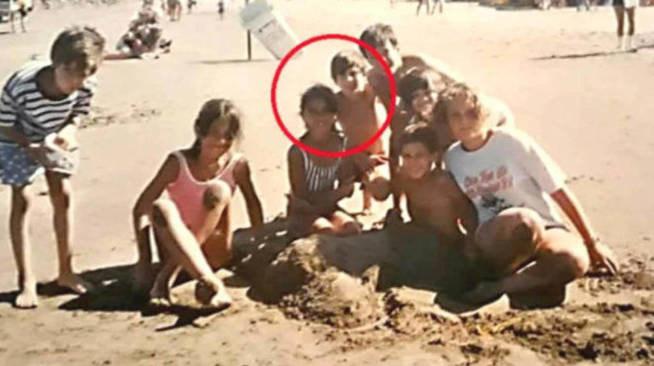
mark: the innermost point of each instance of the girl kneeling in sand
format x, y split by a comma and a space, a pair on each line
313, 202
187, 202
521, 239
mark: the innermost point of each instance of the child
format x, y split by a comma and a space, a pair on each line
427, 5
174, 10
382, 38
45, 102
221, 9
512, 183
358, 115
620, 8
419, 92
313, 202
144, 35
191, 223
434, 200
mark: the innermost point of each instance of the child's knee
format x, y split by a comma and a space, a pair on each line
21, 199
577, 264
379, 188
216, 194
350, 228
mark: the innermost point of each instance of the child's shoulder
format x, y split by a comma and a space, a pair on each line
25, 74
294, 151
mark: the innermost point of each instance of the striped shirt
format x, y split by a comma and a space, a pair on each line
320, 178
24, 107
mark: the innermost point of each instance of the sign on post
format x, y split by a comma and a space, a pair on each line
269, 27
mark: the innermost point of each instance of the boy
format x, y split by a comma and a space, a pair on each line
358, 115
41, 103
382, 38
434, 200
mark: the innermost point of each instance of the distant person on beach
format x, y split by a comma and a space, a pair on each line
190, 4
523, 245
360, 116
319, 183
621, 7
40, 108
221, 8
441, 3
146, 40
186, 207
174, 10
24, 7
585, 3
143, 36
427, 4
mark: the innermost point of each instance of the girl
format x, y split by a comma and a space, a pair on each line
191, 221
512, 183
313, 206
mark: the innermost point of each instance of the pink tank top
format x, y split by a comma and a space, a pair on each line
187, 193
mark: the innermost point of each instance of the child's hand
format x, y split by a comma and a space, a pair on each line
378, 159
346, 188
393, 218
66, 139
602, 256
38, 152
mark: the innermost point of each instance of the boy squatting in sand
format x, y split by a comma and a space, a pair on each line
359, 115
529, 251
37, 101
319, 183
434, 200
187, 206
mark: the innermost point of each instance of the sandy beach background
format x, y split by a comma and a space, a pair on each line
590, 107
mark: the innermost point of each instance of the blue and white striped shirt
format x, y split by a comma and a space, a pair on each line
40, 116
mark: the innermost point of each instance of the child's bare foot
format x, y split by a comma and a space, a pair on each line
27, 298
160, 292
483, 293
74, 283
212, 294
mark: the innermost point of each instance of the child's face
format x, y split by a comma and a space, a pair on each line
389, 53
217, 141
464, 119
319, 119
352, 81
415, 160
423, 102
70, 78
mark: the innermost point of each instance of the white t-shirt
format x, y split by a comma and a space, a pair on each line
510, 170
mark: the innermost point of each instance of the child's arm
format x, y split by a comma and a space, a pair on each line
142, 211
243, 179
296, 173
8, 120
600, 255
66, 138
298, 199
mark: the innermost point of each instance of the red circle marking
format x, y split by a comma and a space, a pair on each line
356, 149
